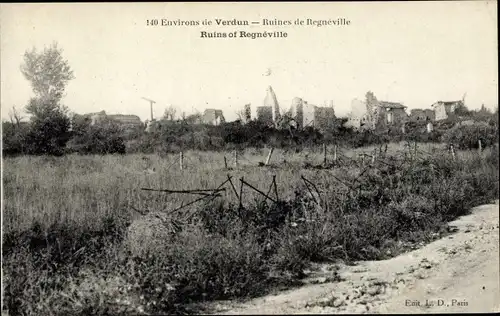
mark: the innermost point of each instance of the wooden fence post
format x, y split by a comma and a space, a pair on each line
235, 154
181, 160
480, 146
225, 162
324, 153
269, 156
275, 188
241, 192
335, 153
452, 150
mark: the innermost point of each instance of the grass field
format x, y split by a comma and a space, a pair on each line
86, 188
73, 243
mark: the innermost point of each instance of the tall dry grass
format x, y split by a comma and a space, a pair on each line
84, 189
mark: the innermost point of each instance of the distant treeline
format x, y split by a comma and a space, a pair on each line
54, 137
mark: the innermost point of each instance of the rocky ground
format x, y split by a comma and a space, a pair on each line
458, 273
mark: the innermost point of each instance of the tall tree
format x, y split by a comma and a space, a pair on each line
49, 73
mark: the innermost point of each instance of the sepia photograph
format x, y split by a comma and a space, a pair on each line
256, 158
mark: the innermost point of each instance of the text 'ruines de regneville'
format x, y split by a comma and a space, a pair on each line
264, 22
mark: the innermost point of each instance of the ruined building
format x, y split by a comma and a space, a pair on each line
124, 121
445, 109
92, 118
271, 101
391, 113
305, 114
308, 114
127, 121
213, 117
297, 112
357, 117
373, 114
419, 115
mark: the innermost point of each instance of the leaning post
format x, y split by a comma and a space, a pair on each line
269, 156
235, 154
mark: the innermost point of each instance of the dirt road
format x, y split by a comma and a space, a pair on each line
458, 273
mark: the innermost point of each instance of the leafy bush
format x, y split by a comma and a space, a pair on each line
14, 138
467, 136
48, 134
176, 136
104, 138
417, 131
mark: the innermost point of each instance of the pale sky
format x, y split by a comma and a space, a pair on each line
410, 52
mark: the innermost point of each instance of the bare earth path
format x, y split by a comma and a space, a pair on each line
458, 273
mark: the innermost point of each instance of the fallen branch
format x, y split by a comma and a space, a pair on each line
257, 190
268, 191
198, 192
309, 189
315, 188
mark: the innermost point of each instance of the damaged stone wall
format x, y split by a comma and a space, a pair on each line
271, 101
265, 114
